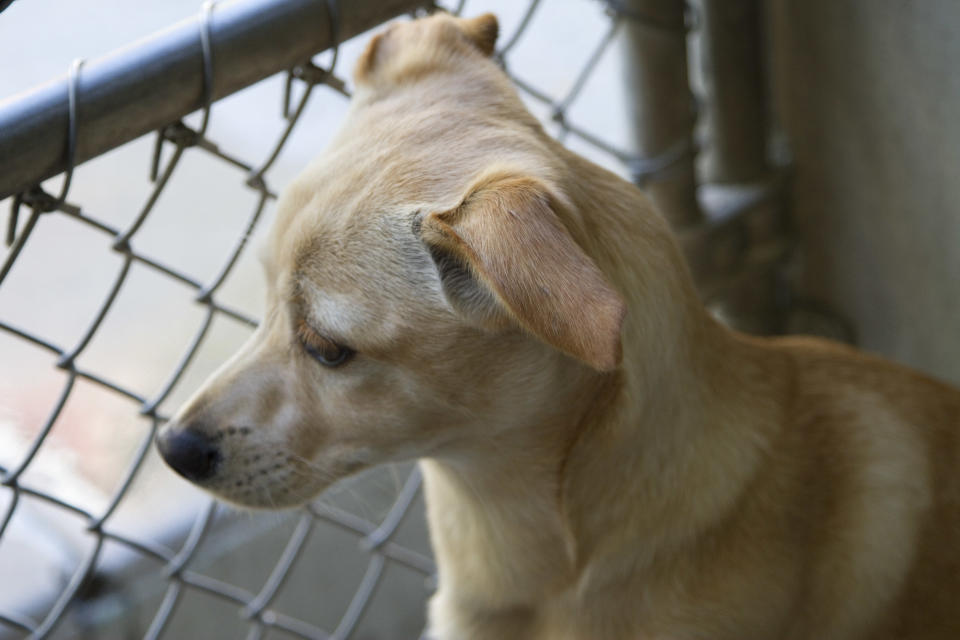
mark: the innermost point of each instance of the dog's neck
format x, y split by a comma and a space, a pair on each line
540, 527
685, 379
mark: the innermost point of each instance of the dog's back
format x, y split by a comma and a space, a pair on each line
884, 458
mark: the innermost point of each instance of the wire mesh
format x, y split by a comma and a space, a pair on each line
174, 564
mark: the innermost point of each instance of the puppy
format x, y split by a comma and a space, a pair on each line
601, 459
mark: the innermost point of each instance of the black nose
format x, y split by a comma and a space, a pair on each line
190, 453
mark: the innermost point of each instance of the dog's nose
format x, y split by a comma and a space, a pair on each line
190, 453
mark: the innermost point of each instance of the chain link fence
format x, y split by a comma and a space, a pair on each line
106, 580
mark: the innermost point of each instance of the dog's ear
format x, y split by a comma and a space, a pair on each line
503, 254
482, 31
368, 60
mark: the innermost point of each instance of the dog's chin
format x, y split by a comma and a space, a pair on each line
285, 485
268, 497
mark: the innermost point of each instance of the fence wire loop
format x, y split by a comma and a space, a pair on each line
311, 75
206, 48
74, 80
309, 72
178, 132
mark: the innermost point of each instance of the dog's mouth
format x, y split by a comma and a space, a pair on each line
216, 464
252, 475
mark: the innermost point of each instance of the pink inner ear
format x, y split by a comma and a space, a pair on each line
509, 233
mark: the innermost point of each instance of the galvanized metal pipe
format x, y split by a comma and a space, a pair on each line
661, 109
736, 106
735, 114
156, 81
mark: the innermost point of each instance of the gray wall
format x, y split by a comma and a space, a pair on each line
868, 93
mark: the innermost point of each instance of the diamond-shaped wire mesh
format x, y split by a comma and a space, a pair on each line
96, 593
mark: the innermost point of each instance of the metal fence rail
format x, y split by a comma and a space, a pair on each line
162, 78
101, 105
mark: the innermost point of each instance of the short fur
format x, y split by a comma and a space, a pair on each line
602, 460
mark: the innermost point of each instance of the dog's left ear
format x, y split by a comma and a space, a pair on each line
482, 31
505, 246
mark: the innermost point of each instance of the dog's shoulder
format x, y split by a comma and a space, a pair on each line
842, 392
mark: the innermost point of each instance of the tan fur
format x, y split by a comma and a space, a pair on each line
664, 478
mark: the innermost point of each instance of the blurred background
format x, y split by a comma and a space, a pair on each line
838, 216
865, 93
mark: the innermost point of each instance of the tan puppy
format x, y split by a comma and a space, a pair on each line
601, 459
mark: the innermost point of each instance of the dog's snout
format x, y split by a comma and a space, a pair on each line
190, 453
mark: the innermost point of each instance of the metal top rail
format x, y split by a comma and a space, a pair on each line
155, 81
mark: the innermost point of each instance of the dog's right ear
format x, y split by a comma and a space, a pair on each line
504, 257
368, 60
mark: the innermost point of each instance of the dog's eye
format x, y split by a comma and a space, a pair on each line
330, 355
323, 350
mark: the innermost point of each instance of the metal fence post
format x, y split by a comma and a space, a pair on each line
726, 205
735, 111
735, 108
662, 112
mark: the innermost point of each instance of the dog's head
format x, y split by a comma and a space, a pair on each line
424, 290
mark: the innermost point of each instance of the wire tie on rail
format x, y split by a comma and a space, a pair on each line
206, 48
177, 132
36, 197
73, 81
312, 73
309, 72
